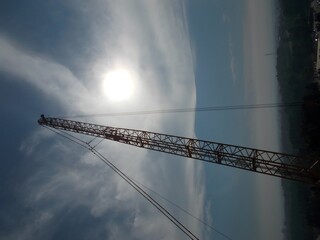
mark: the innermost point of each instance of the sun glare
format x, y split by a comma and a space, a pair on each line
118, 85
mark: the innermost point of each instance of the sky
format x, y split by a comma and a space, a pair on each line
54, 58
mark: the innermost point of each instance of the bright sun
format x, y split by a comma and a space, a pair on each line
118, 85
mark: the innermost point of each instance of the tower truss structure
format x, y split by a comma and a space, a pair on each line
256, 160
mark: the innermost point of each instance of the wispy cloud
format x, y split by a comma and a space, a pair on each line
232, 58
226, 19
151, 39
53, 79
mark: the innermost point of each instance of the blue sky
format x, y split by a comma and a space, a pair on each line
54, 56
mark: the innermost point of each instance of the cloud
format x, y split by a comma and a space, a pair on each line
232, 58
35, 225
52, 79
226, 19
32, 142
150, 38
259, 74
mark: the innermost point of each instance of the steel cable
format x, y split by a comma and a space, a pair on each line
185, 110
175, 221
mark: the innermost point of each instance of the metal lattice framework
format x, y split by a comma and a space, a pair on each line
256, 160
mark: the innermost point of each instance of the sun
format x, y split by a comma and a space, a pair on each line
118, 85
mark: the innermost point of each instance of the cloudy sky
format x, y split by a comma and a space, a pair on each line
55, 58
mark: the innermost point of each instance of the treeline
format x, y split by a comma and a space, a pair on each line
295, 51
296, 54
